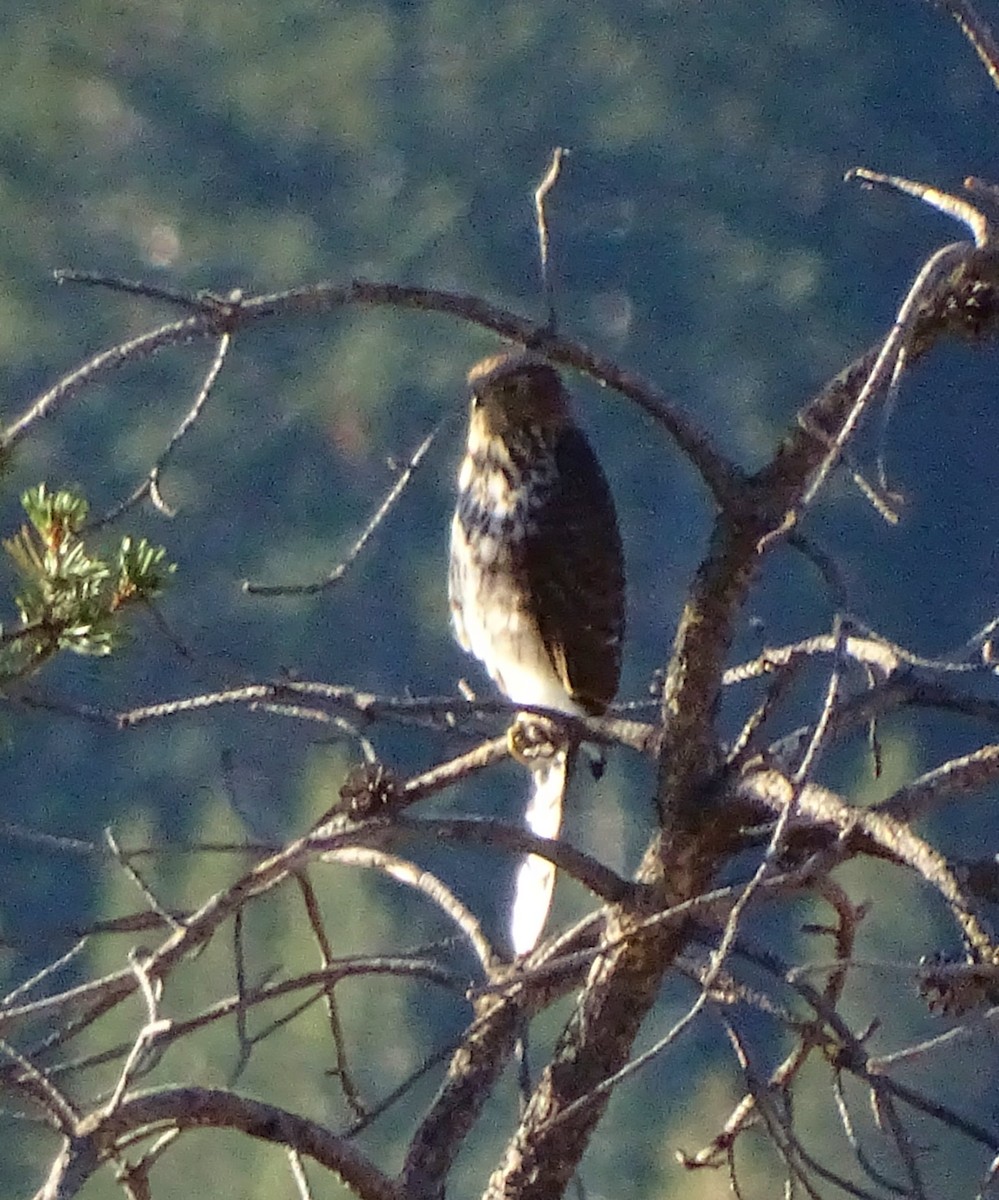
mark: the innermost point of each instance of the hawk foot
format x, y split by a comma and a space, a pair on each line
532, 738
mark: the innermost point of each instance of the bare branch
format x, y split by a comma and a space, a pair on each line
342, 1069
540, 196
977, 33
969, 773
150, 486
379, 515
39, 1087
884, 833
592, 874
415, 877
93, 1142
134, 350
123, 862
222, 316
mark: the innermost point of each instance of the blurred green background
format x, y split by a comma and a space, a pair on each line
703, 237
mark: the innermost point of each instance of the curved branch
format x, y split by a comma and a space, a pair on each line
218, 316
860, 829
969, 773
147, 344
590, 872
471, 1076
95, 1138
98, 998
423, 881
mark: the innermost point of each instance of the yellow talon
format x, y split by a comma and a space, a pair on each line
532, 738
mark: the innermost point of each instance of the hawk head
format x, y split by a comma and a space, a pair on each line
517, 390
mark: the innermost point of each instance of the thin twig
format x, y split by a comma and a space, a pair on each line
540, 196
342, 1070
298, 1174
977, 33
243, 1039
936, 269
60, 1111
150, 486
423, 881
379, 515
598, 879
46, 972
951, 206
903, 1143
149, 291
133, 350
850, 1133
744, 1114
140, 1059
395, 1095
122, 860
822, 726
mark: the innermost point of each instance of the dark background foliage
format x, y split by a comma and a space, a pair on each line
704, 238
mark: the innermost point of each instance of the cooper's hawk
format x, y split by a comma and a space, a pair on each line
536, 581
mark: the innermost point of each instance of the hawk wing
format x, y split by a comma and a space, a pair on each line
574, 567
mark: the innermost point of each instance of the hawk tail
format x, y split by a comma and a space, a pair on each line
535, 883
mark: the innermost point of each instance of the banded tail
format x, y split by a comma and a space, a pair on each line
535, 883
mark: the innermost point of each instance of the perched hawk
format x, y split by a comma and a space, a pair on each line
536, 581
